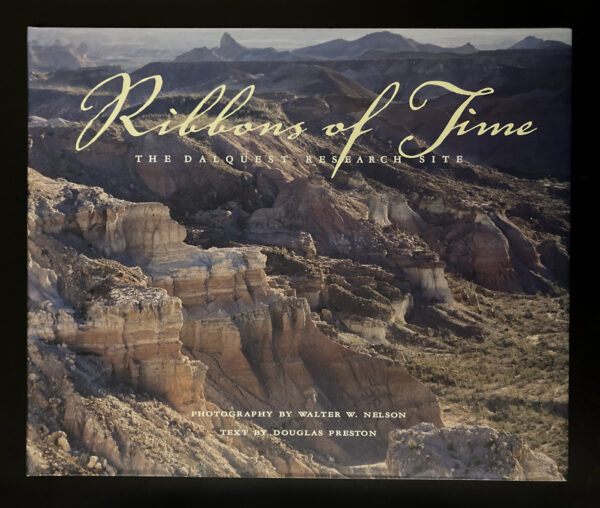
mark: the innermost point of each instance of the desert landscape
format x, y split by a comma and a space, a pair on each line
165, 294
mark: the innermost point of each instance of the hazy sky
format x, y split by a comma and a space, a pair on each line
286, 38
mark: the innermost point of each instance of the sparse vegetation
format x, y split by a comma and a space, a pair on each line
516, 380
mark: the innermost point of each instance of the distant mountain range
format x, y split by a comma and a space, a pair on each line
374, 46
56, 57
377, 45
378, 41
532, 42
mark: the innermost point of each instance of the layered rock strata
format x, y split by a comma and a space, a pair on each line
343, 225
80, 422
108, 309
262, 349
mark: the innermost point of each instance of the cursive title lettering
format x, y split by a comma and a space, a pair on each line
219, 124
187, 126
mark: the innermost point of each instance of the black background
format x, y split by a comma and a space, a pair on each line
584, 463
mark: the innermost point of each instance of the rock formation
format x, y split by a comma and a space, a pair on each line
110, 429
258, 348
476, 452
229, 48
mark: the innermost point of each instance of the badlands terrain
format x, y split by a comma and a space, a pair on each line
163, 294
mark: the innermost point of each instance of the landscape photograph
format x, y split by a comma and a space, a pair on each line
298, 253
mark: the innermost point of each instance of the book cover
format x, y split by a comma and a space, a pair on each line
298, 253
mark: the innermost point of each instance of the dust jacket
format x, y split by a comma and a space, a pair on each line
298, 253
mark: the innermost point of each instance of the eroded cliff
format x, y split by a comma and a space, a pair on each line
197, 327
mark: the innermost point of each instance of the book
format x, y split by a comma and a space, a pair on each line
298, 253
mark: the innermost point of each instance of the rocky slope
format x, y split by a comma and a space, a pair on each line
406, 218
203, 330
465, 452
259, 349
81, 422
